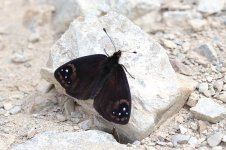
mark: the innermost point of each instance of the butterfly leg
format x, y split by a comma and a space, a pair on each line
127, 71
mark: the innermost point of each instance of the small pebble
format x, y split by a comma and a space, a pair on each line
215, 139
137, 143
15, 110
34, 38
224, 138
183, 130
203, 88
31, 133
61, 118
222, 97
193, 99
218, 85
193, 141
7, 105
85, 125
20, 57
180, 139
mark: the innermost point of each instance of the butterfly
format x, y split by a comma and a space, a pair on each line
102, 78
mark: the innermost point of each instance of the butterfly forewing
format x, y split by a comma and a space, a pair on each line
79, 76
113, 101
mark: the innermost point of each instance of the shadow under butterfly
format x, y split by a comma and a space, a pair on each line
102, 78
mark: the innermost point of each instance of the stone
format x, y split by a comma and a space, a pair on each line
150, 107
35, 37
193, 99
183, 130
222, 96
218, 85
180, 139
31, 133
38, 102
179, 18
224, 139
85, 125
69, 107
44, 86
193, 142
169, 44
210, 6
197, 24
203, 88
207, 50
20, 57
217, 148
215, 139
75, 8
7, 105
85, 140
137, 143
179, 67
15, 110
6, 140
224, 87
208, 110
61, 118
2, 111
202, 126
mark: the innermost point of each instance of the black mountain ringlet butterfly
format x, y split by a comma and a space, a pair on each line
102, 78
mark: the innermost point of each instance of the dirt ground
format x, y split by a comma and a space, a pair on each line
25, 42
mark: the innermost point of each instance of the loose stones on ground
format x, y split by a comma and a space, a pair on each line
215, 139
207, 109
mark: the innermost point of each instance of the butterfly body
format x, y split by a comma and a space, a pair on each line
101, 78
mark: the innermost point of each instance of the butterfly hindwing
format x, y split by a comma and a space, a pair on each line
113, 101
78, 76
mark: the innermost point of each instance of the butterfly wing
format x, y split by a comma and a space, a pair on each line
113, 101
78, 76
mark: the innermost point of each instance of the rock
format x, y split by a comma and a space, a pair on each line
69, 107
197, 24
193, 99
217, 148
150, 107
20, 57
179, 18
38, 102
137, 143
224, 87
35, 37
2, 111
61, 118
169, 44
7, 105
202, 126
85, 125
183, 130
85, 140
31, 133
180, 67
193, 142
215, 139
207, 51
44, 86
180, 139
76, 8
6, 140
224, 138
15, 110
218, 85
208, 110
222, 97
203, 88
210, 7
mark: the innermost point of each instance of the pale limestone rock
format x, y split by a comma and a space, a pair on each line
215, 139
84, 140
157, 92
208, 110
210, 6
6, 140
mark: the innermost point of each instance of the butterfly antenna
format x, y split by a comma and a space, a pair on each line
134, 52
110, 39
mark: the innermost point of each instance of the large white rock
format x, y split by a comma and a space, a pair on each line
156, 91
85, 140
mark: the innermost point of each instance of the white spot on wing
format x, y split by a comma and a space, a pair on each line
124, 109
66, 70
119, 114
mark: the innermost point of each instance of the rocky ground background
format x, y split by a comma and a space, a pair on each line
193, 34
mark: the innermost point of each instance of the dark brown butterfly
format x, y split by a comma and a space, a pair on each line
102, 78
